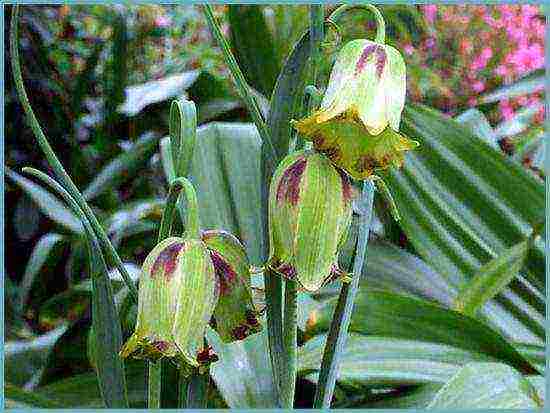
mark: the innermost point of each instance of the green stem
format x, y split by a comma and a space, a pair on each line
197, 391
54, 161
154, 385
290, 331
193, 221
273, 286
380, 23
336, 339
183, 134
317, 30
240, 82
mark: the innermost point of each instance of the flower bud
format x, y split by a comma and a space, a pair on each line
309, 215
357, 123
235, 317
177, 295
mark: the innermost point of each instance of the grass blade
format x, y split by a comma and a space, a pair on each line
491, 279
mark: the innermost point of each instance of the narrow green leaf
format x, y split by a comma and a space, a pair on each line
38, 258
123, 166
48, 204
489, 386
377, 361
287, 97
253, 46
491, 279
381, 313
463, 203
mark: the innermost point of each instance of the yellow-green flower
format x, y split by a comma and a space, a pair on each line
357, 123
309, 215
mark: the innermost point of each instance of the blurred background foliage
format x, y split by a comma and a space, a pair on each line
101, 79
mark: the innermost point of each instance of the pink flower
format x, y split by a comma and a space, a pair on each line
486, 53
409, 49
506, 109
478, 86
501, 70
163, 22
472, 101
466, 46
430, 42
430, 12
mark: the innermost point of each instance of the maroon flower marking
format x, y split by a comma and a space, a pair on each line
288, 271
225, 272
251, 318
361, 63
161, 345
347, 189
289, 185
167, 259
380, 61
240, 332
206, 356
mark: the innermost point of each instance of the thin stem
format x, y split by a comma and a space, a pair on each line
197, 391
290, 332
54, 161
240, 82
183, 389
193, 222
336, 339
380, 23
273, 286
154, 385
317, 17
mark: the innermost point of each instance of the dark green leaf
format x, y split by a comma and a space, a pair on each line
379, 313
17, 398
479, 126
388, 362
253, 47
463, 203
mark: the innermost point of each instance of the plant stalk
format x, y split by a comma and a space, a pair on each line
154, 385
290, 332
336, 339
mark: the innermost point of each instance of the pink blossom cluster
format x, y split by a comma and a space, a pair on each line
473, 49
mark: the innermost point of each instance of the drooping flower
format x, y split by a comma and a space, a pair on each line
358, 121
235, 316
309, 216
177, 295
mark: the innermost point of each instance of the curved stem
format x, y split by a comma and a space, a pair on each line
380, 23
183, 134
240, 82
336, 339
54, 162
193, 222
